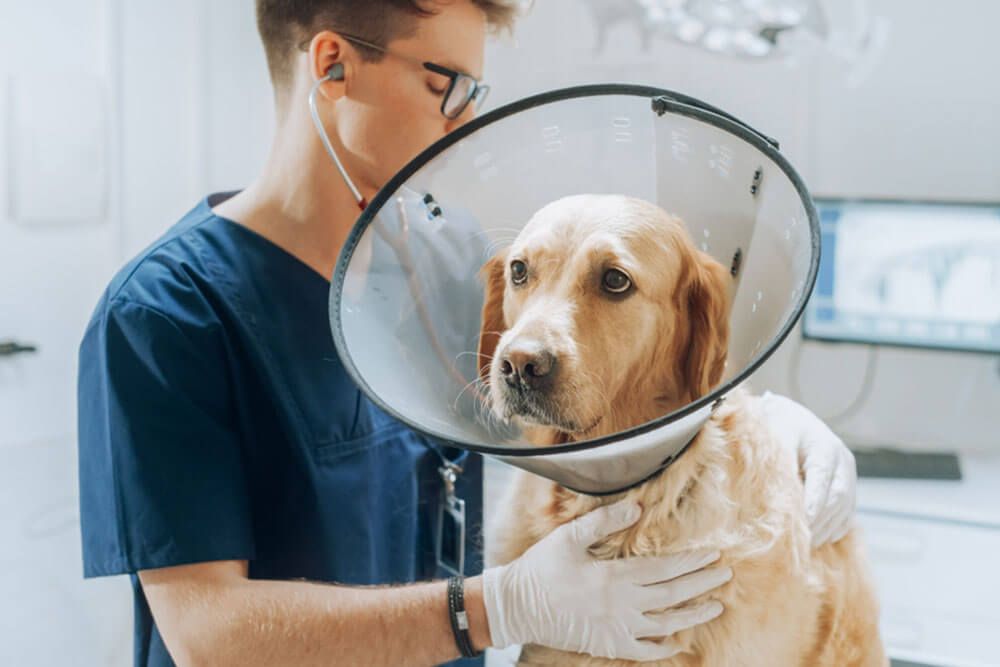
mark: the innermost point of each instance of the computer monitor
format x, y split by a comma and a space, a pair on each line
913, 274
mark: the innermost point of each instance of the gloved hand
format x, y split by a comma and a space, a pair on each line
827, 466
558, 595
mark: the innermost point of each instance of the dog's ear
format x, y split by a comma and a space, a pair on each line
493, 325
704, 360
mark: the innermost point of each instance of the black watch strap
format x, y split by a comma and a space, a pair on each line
459, 618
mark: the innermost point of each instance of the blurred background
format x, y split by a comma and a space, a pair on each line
116, 117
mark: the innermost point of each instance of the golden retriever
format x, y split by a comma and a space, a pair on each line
601, 316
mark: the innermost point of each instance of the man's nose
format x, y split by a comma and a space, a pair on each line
528, 364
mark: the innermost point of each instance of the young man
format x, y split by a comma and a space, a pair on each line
226, 460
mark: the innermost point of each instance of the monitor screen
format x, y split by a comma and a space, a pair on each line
908, 273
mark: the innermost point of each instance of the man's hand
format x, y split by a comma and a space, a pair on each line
558, 595
827, 465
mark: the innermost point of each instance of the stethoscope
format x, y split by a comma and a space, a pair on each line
335, 73
452, 508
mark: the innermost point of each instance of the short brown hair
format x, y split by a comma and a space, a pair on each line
283, 24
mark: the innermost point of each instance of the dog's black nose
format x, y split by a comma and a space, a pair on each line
528, 365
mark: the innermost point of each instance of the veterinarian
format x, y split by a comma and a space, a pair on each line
229, 465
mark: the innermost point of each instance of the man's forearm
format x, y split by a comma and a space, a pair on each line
252, 622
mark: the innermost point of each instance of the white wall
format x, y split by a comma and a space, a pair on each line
59, 236
181, 106
115, 118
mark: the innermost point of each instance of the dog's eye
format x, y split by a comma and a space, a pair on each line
616, 281
518, 272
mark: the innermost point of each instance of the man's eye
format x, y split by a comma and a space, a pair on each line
435, 90
616, 281
518, 272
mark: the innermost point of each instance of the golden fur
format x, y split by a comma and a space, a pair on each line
622, 360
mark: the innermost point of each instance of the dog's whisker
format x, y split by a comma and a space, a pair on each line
472, 353
487, 414
470, 385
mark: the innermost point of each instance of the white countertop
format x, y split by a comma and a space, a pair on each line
974, 499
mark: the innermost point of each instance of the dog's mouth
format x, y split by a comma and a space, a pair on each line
539, 411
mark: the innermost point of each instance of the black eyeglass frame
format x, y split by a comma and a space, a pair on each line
478, 91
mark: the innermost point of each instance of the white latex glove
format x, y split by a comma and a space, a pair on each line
558, 595
827, 466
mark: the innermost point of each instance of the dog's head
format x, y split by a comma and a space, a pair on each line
601, 315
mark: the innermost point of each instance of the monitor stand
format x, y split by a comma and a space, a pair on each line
901, 464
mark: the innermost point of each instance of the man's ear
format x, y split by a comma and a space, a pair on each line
327, 53
493, 325
704, 361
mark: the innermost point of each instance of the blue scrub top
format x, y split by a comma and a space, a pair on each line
216, 422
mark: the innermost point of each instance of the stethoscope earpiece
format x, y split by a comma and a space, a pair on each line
336, 72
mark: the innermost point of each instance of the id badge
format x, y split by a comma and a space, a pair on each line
450, 548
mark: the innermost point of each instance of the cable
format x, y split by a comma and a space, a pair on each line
864, 393
314, 111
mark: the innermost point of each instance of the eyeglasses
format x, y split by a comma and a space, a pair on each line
462, 88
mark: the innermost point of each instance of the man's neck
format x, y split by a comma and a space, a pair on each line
300, 202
